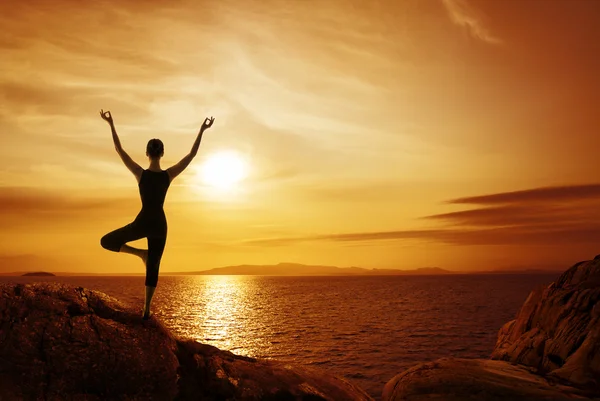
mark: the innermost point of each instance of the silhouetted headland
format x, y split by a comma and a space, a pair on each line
296, 269
40, 274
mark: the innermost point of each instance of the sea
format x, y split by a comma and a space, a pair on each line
364, 329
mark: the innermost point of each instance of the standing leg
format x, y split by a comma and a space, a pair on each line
149, 295
156, 246
116, 240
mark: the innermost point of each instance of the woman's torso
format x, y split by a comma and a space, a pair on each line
153, 188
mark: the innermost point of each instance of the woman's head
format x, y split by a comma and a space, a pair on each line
155, 148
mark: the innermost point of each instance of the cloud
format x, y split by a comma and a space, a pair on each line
527, 235
512, 215
462, 14
57, 99
40, 204
343, 237
529, 217
544, 194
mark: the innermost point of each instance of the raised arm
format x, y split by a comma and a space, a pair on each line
128, 161
175, 170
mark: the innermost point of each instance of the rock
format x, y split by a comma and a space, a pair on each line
450, 379
557, 331
60, 342
554, 340
222, 375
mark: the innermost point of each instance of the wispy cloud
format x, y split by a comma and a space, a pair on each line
524, 235
543, 194
542, 216
36, 204
499, 216
463, 14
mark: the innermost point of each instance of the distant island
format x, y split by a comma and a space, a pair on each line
296, 269
42, 274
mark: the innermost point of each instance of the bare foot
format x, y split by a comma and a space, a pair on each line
146, 314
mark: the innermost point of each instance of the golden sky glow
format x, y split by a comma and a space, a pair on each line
462, 134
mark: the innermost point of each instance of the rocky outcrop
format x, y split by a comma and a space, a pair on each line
58, 342
453, 379
551, 351
557, 331
222, 375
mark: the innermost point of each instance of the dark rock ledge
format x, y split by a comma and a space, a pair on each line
64, 343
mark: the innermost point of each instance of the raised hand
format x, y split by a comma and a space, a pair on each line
207, 123
106, 116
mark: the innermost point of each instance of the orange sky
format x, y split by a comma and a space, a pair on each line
462, 134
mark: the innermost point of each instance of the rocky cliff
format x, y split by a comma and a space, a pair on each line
551, 351
457, 379
58, 342
557, 331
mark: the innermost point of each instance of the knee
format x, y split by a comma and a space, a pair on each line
104, 242
107, 243
151, 279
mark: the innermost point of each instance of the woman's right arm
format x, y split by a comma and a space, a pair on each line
178, 168
135, 168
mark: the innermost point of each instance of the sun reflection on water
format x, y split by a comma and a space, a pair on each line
220, 314
222, 305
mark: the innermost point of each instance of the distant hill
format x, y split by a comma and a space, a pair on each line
43, 274
295, 269
524, 271
25, 263
419, 271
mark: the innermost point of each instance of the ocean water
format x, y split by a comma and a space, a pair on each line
365, 329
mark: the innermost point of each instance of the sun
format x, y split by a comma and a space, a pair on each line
223, 170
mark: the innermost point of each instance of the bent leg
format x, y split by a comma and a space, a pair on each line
114, 240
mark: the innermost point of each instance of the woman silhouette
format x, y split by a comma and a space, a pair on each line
151, 221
